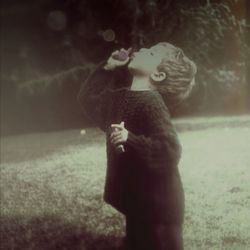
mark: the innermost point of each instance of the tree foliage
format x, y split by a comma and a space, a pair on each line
56, 42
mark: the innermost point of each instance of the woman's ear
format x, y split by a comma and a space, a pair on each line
158, 76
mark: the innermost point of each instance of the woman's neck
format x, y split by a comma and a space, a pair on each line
141, 83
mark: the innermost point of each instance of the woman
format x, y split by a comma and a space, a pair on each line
142, 181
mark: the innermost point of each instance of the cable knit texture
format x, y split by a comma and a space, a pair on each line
144, 180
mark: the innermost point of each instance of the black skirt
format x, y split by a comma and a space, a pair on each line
147, 235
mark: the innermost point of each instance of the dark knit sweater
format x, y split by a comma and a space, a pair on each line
144, 180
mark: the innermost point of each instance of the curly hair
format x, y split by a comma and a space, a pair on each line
180, 74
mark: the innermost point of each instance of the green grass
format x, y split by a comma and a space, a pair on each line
52, 185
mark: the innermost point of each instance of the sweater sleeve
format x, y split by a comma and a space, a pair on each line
94, 95
160, 148
96, 92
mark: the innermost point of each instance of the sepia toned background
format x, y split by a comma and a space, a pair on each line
53, 159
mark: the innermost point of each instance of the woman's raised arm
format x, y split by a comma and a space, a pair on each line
97, 90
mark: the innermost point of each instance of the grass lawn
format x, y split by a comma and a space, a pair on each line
52, 184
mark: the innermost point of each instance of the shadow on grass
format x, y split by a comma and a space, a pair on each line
52, 233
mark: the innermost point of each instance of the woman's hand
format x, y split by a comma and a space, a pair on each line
117, 59
119, 134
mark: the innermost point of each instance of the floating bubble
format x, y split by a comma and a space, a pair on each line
83, 132
57, 20
108, 35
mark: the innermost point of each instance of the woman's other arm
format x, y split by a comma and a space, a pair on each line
96, 91
160, 148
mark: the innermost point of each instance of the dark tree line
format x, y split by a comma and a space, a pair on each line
49, 46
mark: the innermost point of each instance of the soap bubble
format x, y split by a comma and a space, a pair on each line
57, 20
108, 35
83, 132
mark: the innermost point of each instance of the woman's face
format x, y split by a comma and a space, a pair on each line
146, 61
